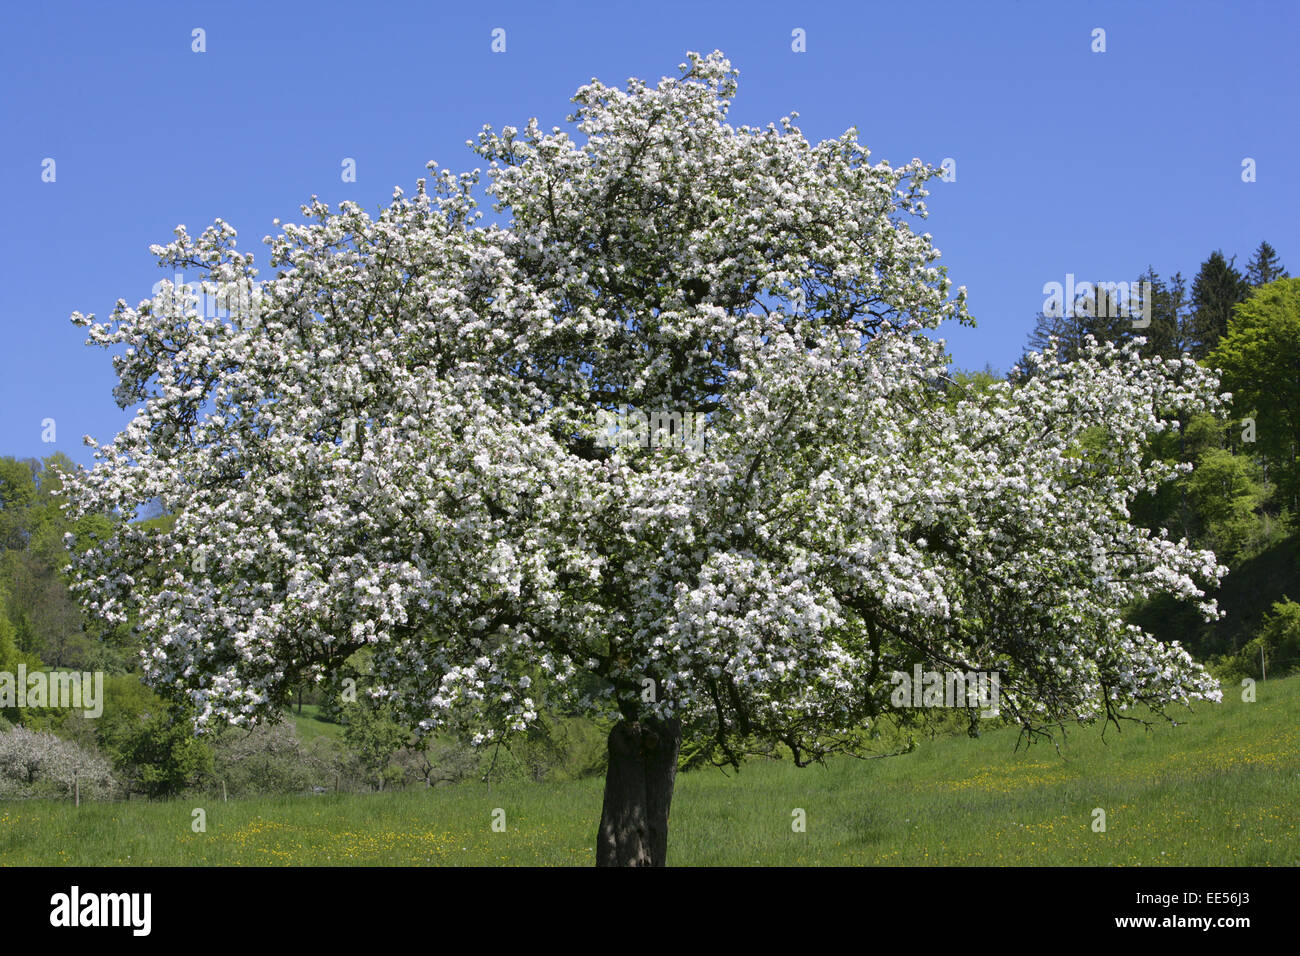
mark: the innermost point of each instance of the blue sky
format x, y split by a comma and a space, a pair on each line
1067, 160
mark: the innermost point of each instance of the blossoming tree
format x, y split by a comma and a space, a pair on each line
396, 444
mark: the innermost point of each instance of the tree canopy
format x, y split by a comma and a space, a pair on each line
395, 444
1260, 360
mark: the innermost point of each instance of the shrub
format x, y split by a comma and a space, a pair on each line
1279, 637
1278, 643
271, 758
37, 764
150, 740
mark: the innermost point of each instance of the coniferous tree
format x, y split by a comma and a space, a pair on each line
1265, 267
1150, 294
1103, 314
1065, 330
1169, 333
1217, 288
1098, 311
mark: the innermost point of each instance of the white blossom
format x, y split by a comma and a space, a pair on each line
398, 450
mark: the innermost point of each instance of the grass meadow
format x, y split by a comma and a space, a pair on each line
1222, 787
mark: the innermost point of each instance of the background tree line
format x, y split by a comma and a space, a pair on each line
1242, 498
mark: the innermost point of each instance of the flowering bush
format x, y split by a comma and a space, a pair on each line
37, 764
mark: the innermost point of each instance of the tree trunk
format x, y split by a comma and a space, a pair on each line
638, 793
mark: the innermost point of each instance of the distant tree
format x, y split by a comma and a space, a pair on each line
1097, 311
1225, 492
268, 758
1260, 357
1055, 334
17, 495
1169, 506
150, 741
970, 379
11, 656
1276, 648
1169, 334
374, 736
1105, 313
33, 526
1280, 636
1265, 267
1218, 287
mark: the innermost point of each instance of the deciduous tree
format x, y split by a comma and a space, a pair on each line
1260, 360
397, 449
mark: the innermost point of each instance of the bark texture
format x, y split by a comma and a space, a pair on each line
638, 793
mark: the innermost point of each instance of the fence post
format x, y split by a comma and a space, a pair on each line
76, 790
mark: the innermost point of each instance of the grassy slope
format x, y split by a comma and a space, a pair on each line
309, 726
1219, 788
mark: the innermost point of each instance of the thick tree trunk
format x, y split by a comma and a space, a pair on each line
638, 793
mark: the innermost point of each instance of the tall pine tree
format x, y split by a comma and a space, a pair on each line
1104, 314
1169, 335
1098, 310
1265, 267
1218, 287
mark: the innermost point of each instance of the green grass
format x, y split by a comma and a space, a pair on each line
309, 726
1220, 788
